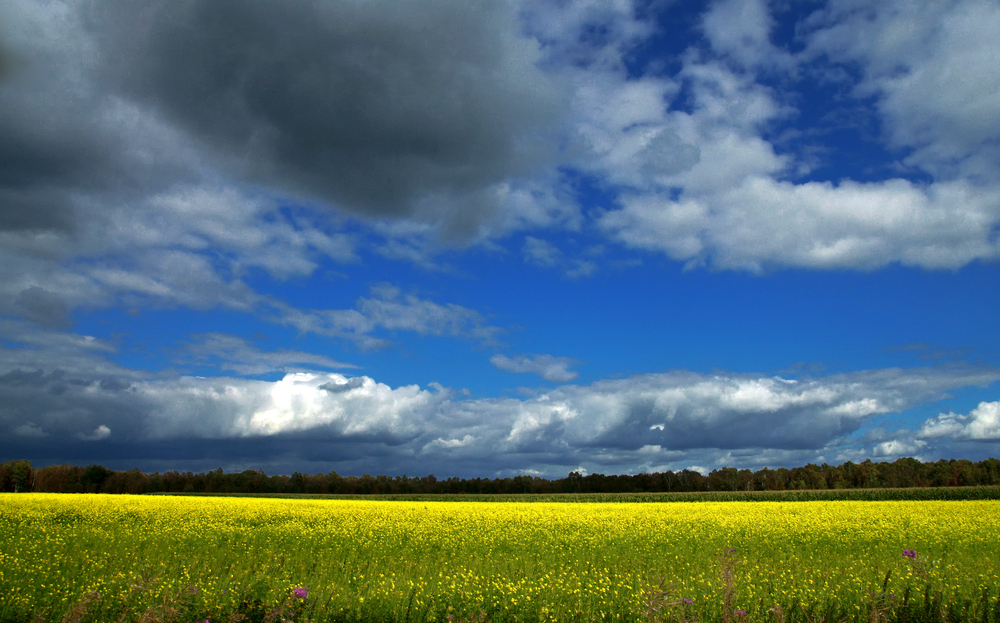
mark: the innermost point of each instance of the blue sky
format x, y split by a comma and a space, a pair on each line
494, 238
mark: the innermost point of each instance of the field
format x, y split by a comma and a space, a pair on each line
196, 558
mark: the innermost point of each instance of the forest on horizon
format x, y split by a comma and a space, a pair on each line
19, 476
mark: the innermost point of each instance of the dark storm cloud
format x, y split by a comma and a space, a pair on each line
64, 136
372, 107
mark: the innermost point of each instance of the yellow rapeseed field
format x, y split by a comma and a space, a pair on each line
415, 561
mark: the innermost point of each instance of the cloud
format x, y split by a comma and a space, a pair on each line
541, 253
700, 178
28, 429
191, 245
981, 424
764, 222
311, 419
555, 369
238, 355
423, 106
544, 254
387, 308
133, 179
99, 433
899, 448
338, 387
935, 76
740, 30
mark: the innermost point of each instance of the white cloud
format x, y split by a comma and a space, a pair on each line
899, 448
763, 222
99, 433
555, 369
740, 30
231, 408
935, 72
702, 185
665, 421
981, 424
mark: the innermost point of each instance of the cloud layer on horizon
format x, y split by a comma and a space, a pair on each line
72, 400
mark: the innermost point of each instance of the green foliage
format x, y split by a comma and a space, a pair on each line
16, 476
810, 482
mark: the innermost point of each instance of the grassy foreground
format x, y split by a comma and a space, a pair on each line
80, 558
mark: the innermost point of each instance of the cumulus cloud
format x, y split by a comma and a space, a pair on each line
740, 30
700, 182
328, 420
981, 424
555, 369
816, 225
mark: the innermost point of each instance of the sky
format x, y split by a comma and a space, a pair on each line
483, 238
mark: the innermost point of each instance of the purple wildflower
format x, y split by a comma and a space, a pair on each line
688, 602
301, 592
740, 612
910, 553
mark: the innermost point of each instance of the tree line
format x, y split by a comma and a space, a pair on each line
19, 476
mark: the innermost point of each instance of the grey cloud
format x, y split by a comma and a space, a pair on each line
387, 308
555, 369
974, 436
44, 307
238, 355
28, 429
65, 139
326, 420
338, 388
124, 157
667, 154
370, 108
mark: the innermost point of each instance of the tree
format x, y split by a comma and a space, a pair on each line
93, 478
20, 475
